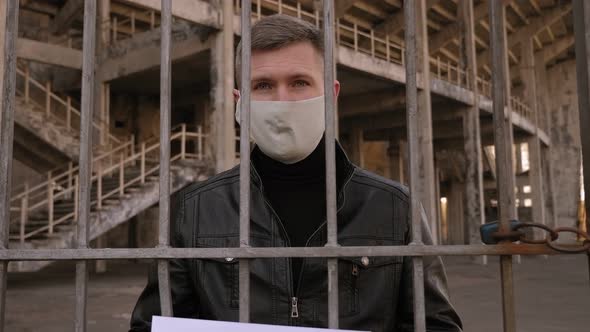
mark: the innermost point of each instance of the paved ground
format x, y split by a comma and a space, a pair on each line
552, 295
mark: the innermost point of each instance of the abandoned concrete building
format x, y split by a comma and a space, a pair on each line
457, 167
457, 173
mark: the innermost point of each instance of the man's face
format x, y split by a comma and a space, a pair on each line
293, 72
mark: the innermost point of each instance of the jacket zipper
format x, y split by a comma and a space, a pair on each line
294, 308
295, 292
294, 300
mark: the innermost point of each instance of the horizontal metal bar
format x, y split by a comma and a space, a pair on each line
267, 252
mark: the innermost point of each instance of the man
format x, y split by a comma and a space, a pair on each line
288, 209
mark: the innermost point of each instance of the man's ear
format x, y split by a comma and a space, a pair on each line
336, 89
236, 93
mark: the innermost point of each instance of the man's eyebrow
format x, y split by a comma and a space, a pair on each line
301, 75
291, 76
261, 78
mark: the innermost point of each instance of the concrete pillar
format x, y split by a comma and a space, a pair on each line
2, 31
456, 226
582, 39
356, 146
103, 41
396, 162
527, 74
222, 144
101, 265
437, 172
474, 208
403, 150
510, 129
426, 187
543, 111
104, 22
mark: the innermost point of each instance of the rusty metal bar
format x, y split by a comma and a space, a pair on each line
581, 12
6, 139
412, 125
244, 273
164, 207
312, 252
85, 159
502, 124
330, 138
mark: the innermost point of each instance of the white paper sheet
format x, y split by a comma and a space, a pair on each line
168, 324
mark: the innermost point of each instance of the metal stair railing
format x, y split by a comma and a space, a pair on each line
54, 106
42, 198
128, 26
364, 39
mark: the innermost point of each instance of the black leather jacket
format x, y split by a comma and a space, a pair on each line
377, 296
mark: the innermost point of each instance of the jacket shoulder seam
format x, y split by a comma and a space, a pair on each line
381, 183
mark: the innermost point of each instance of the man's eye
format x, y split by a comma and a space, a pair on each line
300, 83
262, 85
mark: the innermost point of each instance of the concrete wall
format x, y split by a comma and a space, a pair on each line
145, 229
565, 139
22, 173
376, 159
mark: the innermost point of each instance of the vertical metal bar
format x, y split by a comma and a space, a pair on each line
133, 23
200, 142
412, 125
24, 213
332, 238
50, 203
69, 112
87, 103
355, 36
99, 186
48, 97
103, 128
581, 12
107, 111
132, 148
259, 8
317, 18
27, 83
372, 43
183, 142
506, 203
165, 90
76, 199
245, 160
387, 50
122, 175
142, 164
115, 28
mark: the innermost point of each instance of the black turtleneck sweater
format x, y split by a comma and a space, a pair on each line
297, 194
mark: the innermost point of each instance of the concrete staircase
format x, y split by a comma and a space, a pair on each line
45, 215
47, 126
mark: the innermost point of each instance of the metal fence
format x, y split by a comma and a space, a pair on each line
82, 254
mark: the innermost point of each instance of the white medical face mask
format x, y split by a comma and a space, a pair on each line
286, 131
